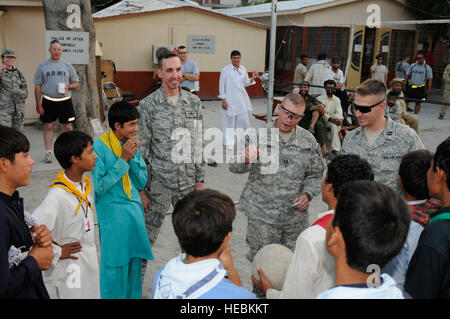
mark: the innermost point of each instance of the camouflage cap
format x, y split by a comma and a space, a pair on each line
8, 52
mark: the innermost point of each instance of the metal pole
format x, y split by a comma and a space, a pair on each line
350, 52
273, 33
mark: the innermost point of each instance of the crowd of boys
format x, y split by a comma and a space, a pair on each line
379, 216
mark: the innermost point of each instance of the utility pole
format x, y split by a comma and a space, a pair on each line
273, 34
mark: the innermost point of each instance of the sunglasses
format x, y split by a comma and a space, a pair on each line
365, 108
293, 115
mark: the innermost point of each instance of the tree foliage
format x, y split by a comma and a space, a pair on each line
426, 10
432, 10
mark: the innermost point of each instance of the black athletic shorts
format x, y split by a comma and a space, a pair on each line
62, 110
417, 93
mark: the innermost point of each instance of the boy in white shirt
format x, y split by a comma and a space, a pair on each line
235, 100
312, 269
68, 212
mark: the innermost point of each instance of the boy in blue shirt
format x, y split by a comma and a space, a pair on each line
203, 223
120, 173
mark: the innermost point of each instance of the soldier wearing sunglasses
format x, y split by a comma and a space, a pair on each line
276, 204
379, 140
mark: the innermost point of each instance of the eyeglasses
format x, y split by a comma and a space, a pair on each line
182, 52
365, 108
288, 113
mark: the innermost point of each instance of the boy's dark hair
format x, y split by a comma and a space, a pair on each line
166, 54
336, 59
122, 112
181, 47
374, 222
235, 53
347, 168
441, 159
380, 56
393, 94
68, 144
322, 56
12, 142
329, 81
413, 173
304, 56
202, 220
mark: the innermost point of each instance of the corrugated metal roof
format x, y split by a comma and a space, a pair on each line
266, 8
136, 7
139, 6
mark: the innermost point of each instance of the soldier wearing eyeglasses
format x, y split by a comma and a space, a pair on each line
379, 140
276, 203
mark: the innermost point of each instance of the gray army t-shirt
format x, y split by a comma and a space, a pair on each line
189, 67
419, 74
49, 73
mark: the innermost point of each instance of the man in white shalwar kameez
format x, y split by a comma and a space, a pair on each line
235, 101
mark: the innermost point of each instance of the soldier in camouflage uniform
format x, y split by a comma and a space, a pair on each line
379, 140
162, 112
446, 95
267, 198
13, 92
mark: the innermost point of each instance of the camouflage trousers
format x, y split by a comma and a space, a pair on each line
161, 197
12, 114
260, 233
